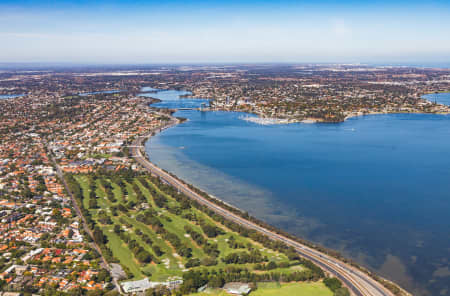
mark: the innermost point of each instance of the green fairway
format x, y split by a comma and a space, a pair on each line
170, 263
84, 183
156, 232
276, 289
123, 254
290, 289
213, 292
117, 192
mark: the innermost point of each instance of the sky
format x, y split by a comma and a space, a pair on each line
150, 32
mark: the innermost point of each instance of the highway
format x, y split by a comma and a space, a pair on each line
359, 283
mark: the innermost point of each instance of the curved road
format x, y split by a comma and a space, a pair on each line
359, 283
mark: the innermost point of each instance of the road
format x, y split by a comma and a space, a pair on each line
359, 283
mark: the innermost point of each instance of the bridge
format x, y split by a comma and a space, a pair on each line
202, 108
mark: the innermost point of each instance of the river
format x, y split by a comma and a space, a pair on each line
375, 188
4, 97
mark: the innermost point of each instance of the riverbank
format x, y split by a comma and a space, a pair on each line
264, 119
272, 121
300, 245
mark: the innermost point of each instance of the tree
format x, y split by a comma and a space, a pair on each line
271, 265
192, 262
210, 230
216, 281
144, 256
93, 203
99, 237
78, 291
342, 292
117, 229
103, 275
332, 283
96, 292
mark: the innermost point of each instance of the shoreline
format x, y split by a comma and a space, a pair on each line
276, 121
262, 119
386, 287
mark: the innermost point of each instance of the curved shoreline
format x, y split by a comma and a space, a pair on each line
262, 119
359, 280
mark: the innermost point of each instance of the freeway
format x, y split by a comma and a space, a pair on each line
359, 283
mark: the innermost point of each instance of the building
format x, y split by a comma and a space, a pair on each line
142, 285
237, 288
136, 286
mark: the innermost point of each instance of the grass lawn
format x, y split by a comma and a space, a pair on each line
215, 292
298, 289
98, 155
131, 193
117, 192
122, 253
277, 289
84, 183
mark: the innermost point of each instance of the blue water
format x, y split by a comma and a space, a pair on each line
376, 188
170, 99
440, 98
4, 97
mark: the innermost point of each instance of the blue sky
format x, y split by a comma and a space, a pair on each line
224, 31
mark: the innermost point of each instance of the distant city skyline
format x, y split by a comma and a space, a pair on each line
225, 32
